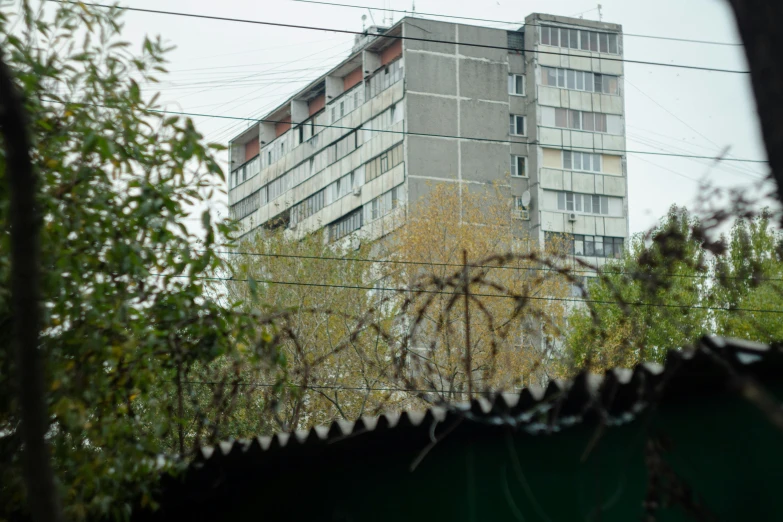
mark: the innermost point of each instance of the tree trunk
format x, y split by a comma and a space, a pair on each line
759, 23
42, 496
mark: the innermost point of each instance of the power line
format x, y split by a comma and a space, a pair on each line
424, 134
458, 265
327, 387
393, 37
523, 24
439, 292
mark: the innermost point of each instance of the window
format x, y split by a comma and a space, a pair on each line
345, 225
516, 125
516, 40
518, 166
590, 204
580, 39
516, 84
307, 208
246, 206
279, 185
384, 79
341, 187
581, 161
594, 246
579, 80
580, 120
383, 204
383, 163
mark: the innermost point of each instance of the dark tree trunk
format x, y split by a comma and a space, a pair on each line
42, 494
759, 23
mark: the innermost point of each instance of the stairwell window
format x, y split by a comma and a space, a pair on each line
519, 166
516, 84
516, 125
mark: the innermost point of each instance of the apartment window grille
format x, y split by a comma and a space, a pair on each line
516, 40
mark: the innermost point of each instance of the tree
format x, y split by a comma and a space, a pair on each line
750, 277
460, 239
650, 301
127, 310
339, 364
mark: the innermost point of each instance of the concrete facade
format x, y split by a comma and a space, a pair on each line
438, 111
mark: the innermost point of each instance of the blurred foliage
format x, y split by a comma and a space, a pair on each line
126, 309
670, 288
517, 305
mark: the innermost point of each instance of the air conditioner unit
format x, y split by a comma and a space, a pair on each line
357, 191
520, 214
572, 216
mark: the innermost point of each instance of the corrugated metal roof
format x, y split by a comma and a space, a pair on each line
615, 398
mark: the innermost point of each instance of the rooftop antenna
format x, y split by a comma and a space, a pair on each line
364, 24
600, 15
413, 8
387, 15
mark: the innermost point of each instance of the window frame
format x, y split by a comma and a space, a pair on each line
512, 84
513, 125
515, 166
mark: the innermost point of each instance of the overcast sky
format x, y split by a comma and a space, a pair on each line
238, 69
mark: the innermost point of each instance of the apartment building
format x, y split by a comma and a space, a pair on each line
539, 109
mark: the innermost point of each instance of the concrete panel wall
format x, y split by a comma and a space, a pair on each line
581, 182
484, 120
485, 162
483, 36
432, 157
432, 115
516, 63
553, 221
431, 73
614, 186
429, 30
615, 227
483, 80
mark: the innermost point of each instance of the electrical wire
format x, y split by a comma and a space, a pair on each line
393, 37
457, 265
426, 135
439, 292
331, 387
522, 24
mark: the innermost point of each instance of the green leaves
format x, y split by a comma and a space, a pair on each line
128, 301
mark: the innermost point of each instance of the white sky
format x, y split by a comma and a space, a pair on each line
243, 70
